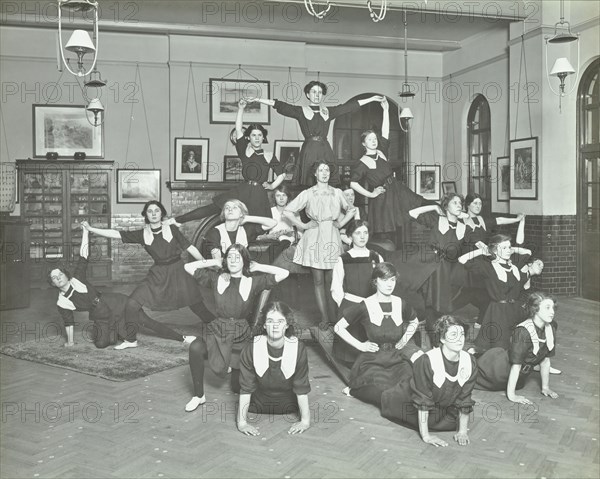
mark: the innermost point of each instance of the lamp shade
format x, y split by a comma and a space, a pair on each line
81, 42
562, 67
95, 106
406, 113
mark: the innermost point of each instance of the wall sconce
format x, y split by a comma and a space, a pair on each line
95, 106
562, 67
405, 115
80, 42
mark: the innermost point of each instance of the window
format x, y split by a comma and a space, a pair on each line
479, 143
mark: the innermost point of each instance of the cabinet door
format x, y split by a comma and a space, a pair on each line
15, 268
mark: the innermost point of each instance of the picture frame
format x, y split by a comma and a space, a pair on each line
232, 168
448, 187
226, 93
138, 186
503, 179
427, 181
191, 159
288, 154
66, 130
524, 169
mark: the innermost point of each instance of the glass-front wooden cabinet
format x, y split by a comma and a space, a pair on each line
55, 197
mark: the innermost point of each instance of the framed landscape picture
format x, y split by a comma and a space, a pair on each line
427, 181
523, 169
138, 186
232, 168
288, 153
225, 94
66, 130
191, 159
503, 179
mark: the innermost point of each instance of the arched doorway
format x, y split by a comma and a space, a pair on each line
480, 144
588, 183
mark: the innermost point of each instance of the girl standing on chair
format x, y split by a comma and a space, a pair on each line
321, 244
389, 323
235, 292
274, 371
256, 164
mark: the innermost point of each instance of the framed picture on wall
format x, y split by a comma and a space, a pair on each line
523, 169
138, 186
225, 95
191, 159
503, 179
427, 181
448, 187
66, 130
232, 168
288, 153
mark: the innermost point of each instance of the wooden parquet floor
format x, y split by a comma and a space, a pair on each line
61, 424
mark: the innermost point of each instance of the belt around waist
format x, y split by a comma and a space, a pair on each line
316, 138
506, 301
253, 183
386, 346
388, 181
167, 262
95, 302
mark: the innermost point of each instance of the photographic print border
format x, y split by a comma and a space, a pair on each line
149, 176
451, 184
524, 193
436, 195
235, 90
237, 179
78, 117
502, 162
289, 175
180, 144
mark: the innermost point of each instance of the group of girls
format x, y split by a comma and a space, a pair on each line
375, 306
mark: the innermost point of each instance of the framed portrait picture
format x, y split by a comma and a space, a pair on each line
232, 168
448, 187
66, 130
427, 181
503, 179
138, 186
288, 153
225, 95
191, 159
523, 169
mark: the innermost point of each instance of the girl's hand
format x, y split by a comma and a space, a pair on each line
310, 225
462, 438
298, 428
85, 226
171, 221
520, 400
384, 104
435, 441
463, 216
242, 103
369, 347
520, 216
226, 277
549, 393
267, 186
252, 267
336, 224
378, 98
440, 211
248, 430
380, 190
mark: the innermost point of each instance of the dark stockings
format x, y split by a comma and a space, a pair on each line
322, 284
198, 351
198, 213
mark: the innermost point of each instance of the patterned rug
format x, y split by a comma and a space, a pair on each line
151, 356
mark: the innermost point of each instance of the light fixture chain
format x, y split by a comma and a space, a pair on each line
187, 97
139, 75
196, 102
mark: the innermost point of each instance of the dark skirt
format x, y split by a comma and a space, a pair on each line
493, 369
383, 369
388, 211
341, 349
255, 198
225, 340
314, 150
169, 288
497, 325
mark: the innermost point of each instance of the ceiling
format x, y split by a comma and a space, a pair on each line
433, 26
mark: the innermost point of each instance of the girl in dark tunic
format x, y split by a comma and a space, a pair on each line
504, 281
438, 395
166, 286
314, 121
106, 310
351, 283
390, 324
389, 200
532, 344
274, 371
234, 291
256, 164
234, 215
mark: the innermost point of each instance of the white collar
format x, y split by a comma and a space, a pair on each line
359, 253
260, 356
267, 155
240, 236
529, 325
372, 163
376, 313
167, 234
65, 301
309, 112
469, 221
436, 358
501, 273
245, 286
444, 226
